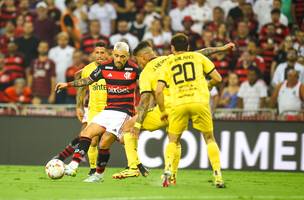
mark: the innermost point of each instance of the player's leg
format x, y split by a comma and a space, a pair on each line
86, 135
70, 148
92, 154
202, 121
103, 157
178, 122
176, 163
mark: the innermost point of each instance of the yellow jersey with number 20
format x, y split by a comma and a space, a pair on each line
184, 74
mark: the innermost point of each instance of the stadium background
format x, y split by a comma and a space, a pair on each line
263, 30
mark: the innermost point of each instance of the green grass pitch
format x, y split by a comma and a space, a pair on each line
30, 182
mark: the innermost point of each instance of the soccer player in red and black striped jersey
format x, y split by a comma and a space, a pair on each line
121, 75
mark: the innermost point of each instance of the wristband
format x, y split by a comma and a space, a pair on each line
137, 125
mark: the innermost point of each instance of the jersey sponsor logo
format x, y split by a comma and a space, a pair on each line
108, 67
127, 75
109, 75
118, 90
129, 69
99, 87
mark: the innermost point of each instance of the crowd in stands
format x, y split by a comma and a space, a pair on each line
45, 42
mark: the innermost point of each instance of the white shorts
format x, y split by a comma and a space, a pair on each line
112, 121
85, 115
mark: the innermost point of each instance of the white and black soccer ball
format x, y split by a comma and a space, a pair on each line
55, 169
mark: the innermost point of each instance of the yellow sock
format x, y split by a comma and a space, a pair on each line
214, 156
176, 159
92, 154
131, 150
170, 155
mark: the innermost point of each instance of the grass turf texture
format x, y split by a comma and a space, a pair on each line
30, 182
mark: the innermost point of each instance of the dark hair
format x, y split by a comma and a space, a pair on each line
180, 42
255, 69
219, 9
101, 44
67, 2
142, 45
275, 11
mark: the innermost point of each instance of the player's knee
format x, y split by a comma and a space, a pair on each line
94, 142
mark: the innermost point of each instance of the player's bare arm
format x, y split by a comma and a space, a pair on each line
80, 95
213, 50
216, 78
77, 83
159, 95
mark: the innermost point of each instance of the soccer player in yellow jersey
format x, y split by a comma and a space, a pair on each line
148, 117
96, 103
184, 75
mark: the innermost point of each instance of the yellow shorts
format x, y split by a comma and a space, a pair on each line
199, 114
152, 120
92, 114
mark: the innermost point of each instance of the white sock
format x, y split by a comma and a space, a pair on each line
74, 164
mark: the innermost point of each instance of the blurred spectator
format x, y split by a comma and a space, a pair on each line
18, 93
222, 33
81, 13
7, 36
124, 34
235, 15
229, 94
106, 15
42, 76
250, 18
150, 14
200, 12
227, 5
222, 62
193, 37
138, 27
19, 26
24, 10
281, 54
289, 95
262, 8
44, 28
217, 20
54, 13
177, 15
167, 24
299, 43
62, 55
70, 23
70, 74
280, 73
253, 92
206, 40
60, 4
297, 12
89, 39
13, 66
242, 37
281, 30
125, 9
159, 38
286, 9
276, 4
27, 44
8, 11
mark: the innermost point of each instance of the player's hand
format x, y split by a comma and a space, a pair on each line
51, 99
60, 86
79, 114
135, 132
229, 46
164, 116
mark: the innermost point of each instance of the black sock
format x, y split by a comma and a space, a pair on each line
102, 161
69, 149
81, 151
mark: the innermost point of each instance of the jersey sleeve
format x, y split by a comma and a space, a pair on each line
208, 66
96, 74
84, 73
145, 82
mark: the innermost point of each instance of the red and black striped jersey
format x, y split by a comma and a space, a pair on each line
281, 31
121, 85
88, 42
6, 15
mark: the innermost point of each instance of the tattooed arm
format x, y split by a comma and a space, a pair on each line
213, 50
77, 83
80, 95
144, 105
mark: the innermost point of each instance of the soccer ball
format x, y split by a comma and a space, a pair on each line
55, 169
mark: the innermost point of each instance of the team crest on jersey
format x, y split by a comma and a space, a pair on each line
127, 75
108, 67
